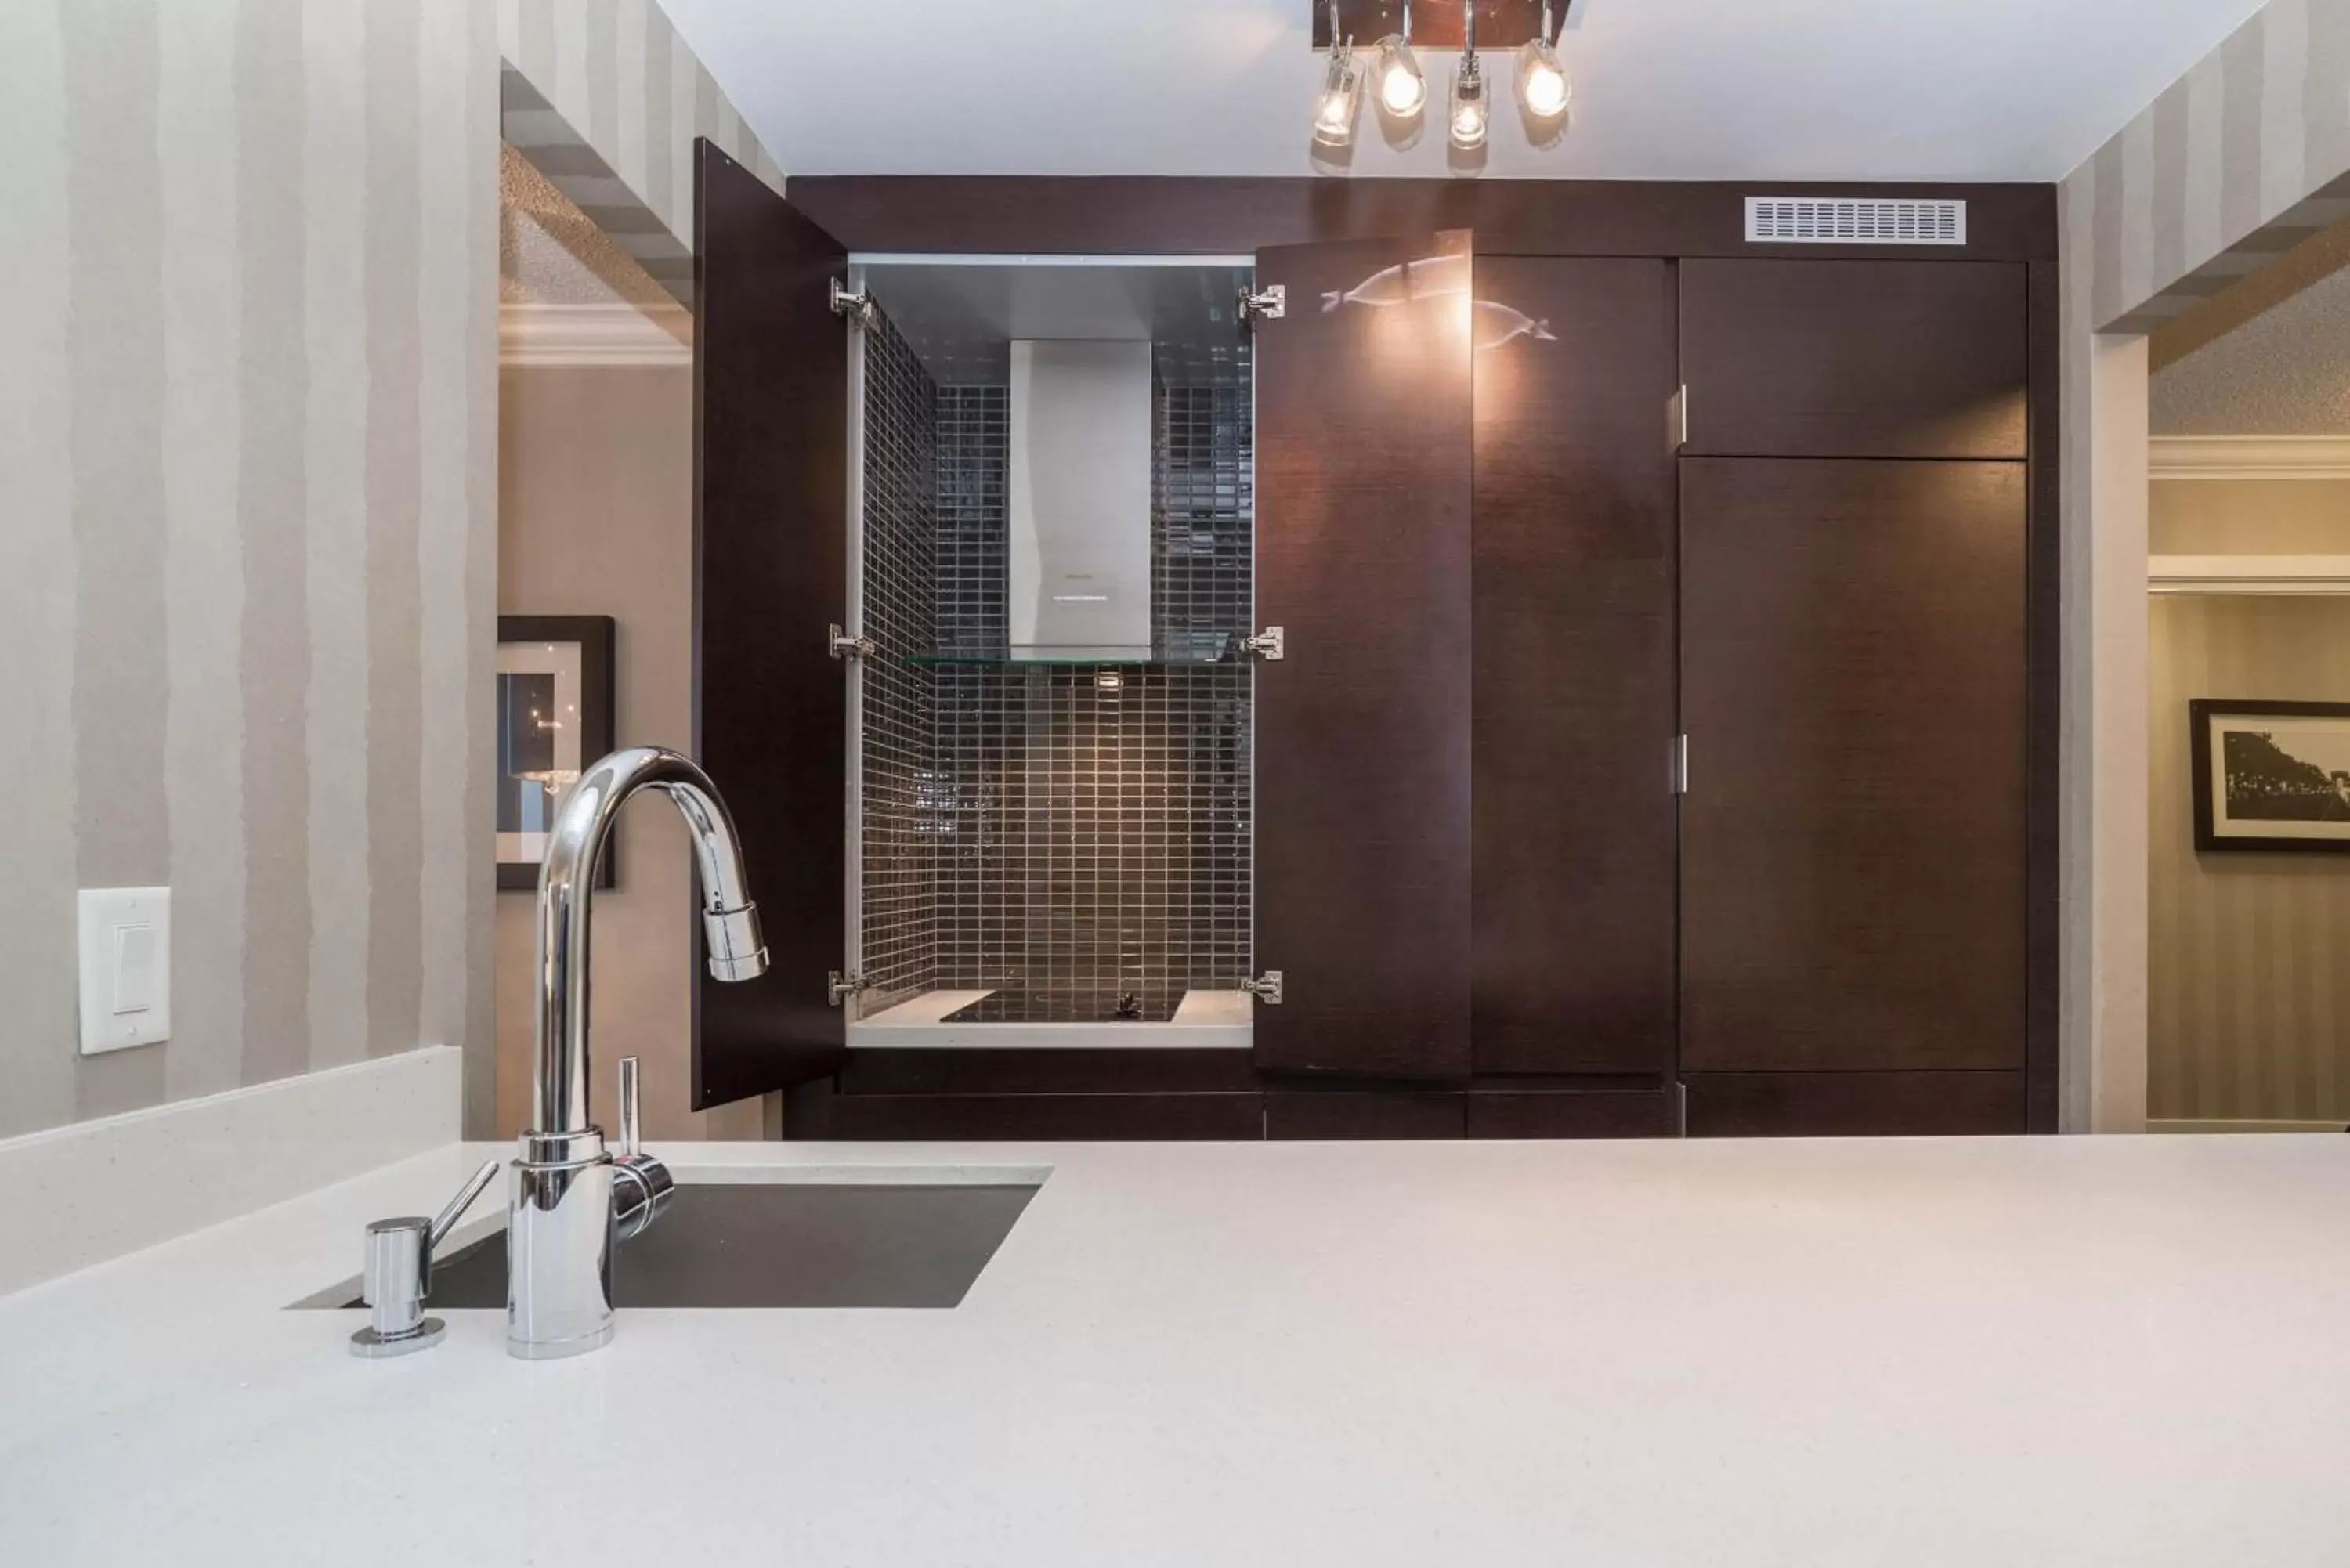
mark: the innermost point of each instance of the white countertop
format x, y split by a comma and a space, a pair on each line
2124, 1351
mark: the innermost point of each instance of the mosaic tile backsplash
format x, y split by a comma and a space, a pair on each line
1077, 838
897, 853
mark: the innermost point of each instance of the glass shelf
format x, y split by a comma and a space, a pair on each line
1215, 648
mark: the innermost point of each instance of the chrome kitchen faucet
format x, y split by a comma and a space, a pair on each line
571, 1198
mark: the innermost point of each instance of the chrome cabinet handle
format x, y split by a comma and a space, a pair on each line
396, 1274
641, 1184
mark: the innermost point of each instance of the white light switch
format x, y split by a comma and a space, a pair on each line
126, 967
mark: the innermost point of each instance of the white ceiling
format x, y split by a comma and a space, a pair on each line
2285, 372
1664, 90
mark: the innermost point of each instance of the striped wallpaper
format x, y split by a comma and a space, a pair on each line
247, 511
2238, 161
2248, 998
248, 572
603, 97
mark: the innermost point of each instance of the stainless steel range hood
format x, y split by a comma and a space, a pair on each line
1078, 507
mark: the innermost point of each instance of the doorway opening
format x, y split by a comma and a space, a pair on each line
2248, 887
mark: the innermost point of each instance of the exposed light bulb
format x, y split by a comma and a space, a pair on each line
1468, 124
1543, 91
1468, 119
1342, 92
1541, 84
1402, 89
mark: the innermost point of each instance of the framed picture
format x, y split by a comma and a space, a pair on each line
555, 716
2271, 776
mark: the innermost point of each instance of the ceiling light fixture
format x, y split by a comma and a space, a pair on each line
1403, 89
1342, 90
1543, 87
1467, 123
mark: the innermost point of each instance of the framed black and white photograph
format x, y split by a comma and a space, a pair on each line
554, 717
2271, 776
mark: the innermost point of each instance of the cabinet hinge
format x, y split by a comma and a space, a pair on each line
839, 987
855, 306
1677, 416
1270, 643
844, 646
1265, 988
1264, 305
1680, 764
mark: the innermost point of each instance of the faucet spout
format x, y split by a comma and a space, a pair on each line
560, 1221
583, 822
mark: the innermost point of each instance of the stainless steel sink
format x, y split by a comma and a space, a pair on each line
776, 1244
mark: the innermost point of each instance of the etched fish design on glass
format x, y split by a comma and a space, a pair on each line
1430, 277
1440, 278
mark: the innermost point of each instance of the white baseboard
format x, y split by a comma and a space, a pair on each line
81, 1194
2238, 1125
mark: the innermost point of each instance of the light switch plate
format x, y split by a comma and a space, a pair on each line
126, 967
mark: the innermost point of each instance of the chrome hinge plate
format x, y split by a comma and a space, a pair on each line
1680, 764
1677, 416
1265, 304
1266, 987
844, 646
855, 306
1270, 643
839, 987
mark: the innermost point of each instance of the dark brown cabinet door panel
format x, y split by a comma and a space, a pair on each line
1853, 837
1362, 728
770, 518
1369, 1114
1854, 358
1541, 1113
1846, 1105
1572, 880
1024, 1118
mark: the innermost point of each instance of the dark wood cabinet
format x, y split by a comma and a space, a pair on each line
1363, 471
1854, 358
1841, 1105
1572, 667
1547, 1113
1503, 591
1852, 685
1363, 1113
770, 521
1028, 1118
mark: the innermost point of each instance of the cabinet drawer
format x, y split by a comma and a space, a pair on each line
1043, 1118
1854, 1105
1533, 1114
1366, 1114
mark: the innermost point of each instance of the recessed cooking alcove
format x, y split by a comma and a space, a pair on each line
1052, 556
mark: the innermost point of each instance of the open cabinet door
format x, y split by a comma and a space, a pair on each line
1364, 452
769, 516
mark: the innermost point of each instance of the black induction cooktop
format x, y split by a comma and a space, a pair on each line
1059, 1006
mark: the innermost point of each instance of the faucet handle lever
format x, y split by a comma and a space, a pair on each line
640, 1182
455, 1211
628, 1107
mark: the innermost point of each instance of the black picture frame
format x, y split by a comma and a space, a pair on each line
596, 638
2209, 837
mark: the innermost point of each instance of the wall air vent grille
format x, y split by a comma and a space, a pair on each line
1855, 220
